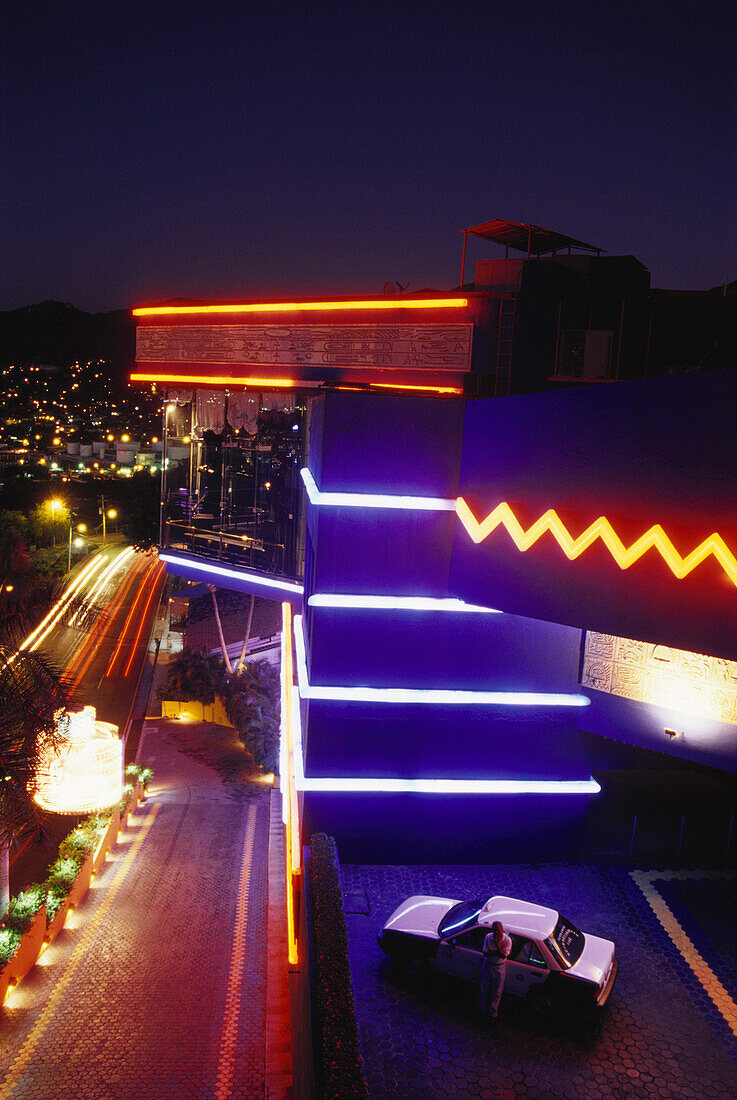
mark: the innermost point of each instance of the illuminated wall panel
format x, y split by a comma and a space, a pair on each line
661, 675
649, 453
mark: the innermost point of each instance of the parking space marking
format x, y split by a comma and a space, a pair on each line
719, 996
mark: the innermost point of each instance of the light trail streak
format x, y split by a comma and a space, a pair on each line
102, 580
50, 620
104, 627
129, 619
155, 587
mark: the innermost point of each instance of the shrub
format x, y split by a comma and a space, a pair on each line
60, 880
136, 773
23, 908
9, 940
342, 1061
127, 792
252, 701
193, 674
83, 839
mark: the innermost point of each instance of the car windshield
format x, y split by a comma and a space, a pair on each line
566, 943
465, 912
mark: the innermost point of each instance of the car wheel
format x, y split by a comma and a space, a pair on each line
542, 1003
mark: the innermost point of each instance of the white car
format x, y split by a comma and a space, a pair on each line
551, 960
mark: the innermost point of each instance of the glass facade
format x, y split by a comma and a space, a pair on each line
230, 485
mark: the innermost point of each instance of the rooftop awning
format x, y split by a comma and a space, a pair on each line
532, 239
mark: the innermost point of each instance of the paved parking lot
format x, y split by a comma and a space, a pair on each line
670, 1029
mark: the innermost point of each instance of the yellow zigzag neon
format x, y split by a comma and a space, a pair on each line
655, 538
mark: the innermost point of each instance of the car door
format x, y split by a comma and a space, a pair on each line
526, 967
461, 955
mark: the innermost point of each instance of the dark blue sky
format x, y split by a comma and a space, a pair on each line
216, 150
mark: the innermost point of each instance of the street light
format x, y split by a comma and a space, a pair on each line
165, 434
55, 505
82, 527
106, 515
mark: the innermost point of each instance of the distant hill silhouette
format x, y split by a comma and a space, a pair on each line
56, 333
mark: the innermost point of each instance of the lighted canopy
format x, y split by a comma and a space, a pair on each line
86, 773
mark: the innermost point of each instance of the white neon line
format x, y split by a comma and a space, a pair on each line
427, 786
374, 500
398, 603
423, 696
287, 587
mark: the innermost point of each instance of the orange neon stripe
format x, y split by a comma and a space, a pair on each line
654, 538
129, 620
155, 584
292, 805
304, 307
212, 380
426, 389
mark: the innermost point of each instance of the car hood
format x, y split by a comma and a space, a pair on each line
595, 961
419, 915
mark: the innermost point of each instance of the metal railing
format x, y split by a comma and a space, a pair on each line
244, 549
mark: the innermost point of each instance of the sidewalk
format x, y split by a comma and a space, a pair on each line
158, 984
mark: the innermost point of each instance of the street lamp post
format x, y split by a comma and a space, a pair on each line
81, 527
165, 433
55, 506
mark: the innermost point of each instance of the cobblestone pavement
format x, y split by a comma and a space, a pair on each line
668, 1031
157, 985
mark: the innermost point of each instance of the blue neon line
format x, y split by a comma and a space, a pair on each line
364, 602
422, 696
427, 786
286, 587
373, 500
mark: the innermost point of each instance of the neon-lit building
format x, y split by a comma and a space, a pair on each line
479, 582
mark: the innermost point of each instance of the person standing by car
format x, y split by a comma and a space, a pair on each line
496, 949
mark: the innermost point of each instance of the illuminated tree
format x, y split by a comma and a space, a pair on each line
31, 693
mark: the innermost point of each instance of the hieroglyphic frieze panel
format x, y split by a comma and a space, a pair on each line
419, 347
667, 677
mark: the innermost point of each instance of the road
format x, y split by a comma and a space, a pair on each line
98, 632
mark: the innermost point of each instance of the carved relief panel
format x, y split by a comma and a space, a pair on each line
667, 677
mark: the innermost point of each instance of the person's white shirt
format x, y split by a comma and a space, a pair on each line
502, 947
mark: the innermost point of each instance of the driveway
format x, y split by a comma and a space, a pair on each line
670, 1028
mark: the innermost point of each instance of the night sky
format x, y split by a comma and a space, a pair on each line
159, 150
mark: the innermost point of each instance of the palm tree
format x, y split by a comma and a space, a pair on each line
246, 637
226, 658
31, 695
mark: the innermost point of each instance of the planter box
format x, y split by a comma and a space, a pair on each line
196, 712
81, 884
26, 954
54, 927
107, 841
134, 799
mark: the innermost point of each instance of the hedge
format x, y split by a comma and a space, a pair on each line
337, 1024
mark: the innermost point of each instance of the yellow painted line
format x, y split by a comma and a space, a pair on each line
231, 1015
719, 996
26, 1053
